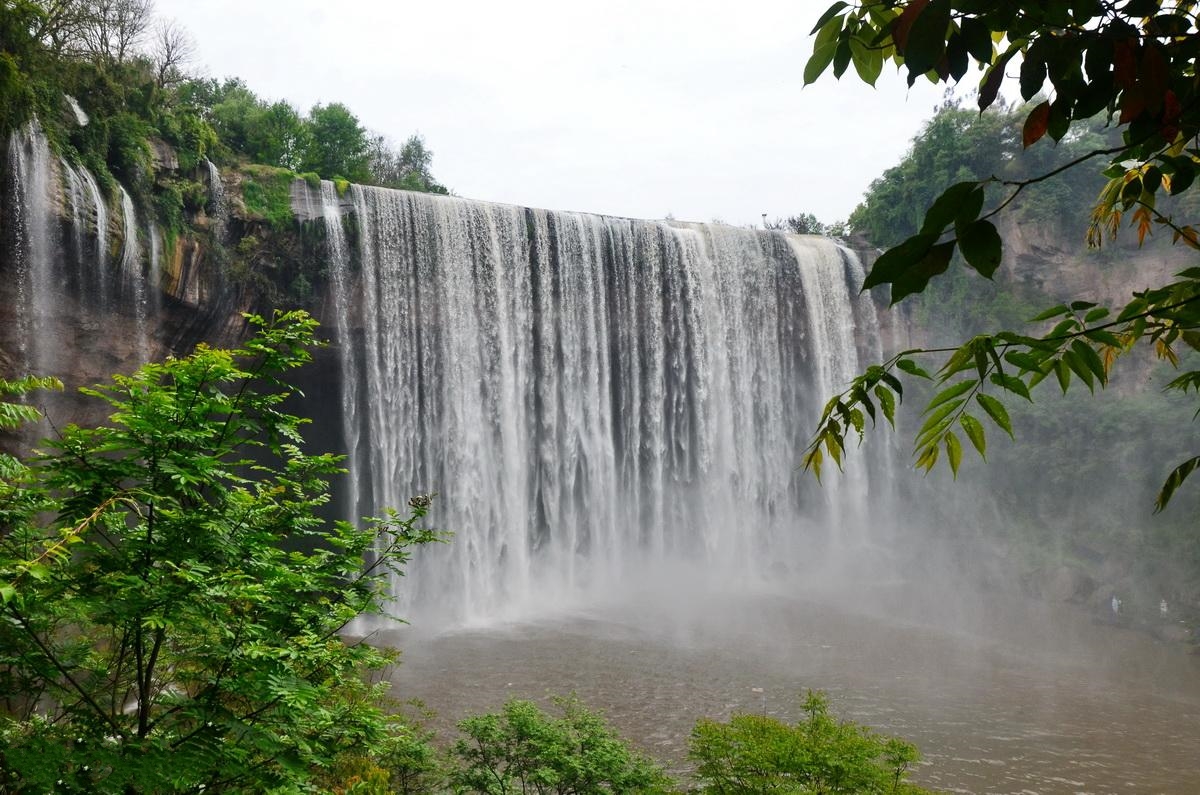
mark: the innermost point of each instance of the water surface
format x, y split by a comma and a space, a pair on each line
1001, 696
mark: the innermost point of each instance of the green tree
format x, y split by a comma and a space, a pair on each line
820, 754
1132, 61
410, 168
521, 749
172, 595
338, 145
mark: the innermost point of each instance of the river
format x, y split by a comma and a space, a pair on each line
1001, 695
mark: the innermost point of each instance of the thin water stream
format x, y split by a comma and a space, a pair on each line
1001, 696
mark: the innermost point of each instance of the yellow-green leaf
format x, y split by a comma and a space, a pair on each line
995, 409
974, 429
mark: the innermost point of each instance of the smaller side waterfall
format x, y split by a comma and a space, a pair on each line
30, 163
133, 275
341, 281
58, 280
218, 207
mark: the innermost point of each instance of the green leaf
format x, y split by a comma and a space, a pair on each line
928, 458
914, 280
1080, 368
1092, 359
947, 206
824, 49
898, 259
7, 593
974, 429
989, 86
981, 247
953, 453
1063, 371
1026, 361
1061, 309
828, 15
887, 402
914, 369
945, 395
868, 61
977, 38
935, 418
1174, 481
995, 409
1012, 384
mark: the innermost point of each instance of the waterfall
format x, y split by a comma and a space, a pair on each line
340, 280
218, 210
591, 397
30, 166
133, 275
81, 118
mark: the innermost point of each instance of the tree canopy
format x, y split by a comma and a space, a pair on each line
1131, 63
172, 598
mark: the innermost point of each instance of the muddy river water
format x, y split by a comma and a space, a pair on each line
1001, 698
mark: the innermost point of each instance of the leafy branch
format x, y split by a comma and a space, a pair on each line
1078, 347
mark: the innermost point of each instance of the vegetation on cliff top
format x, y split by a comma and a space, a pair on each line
151, 126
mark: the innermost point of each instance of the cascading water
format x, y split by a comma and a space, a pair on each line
57, 229
591, 397
134, 276
218, 209
340, 279
33, 240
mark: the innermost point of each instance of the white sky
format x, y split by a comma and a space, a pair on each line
619, 107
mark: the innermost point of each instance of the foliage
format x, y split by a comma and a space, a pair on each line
338, 146
756, 753
521, 749
268, 194
173, 597
1136, 64
410, 168
959, 144
807, 224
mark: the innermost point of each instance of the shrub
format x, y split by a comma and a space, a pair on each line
758, 754
267, 193
521, 749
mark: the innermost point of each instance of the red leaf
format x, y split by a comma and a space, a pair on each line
903, 23
1133, 102
1035, 124
1153, 76
1125, 62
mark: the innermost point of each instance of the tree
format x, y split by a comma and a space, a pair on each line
173, 49
756, 753
410, 168
1134, 62
112, 30
337, 145
172, 597
521, 749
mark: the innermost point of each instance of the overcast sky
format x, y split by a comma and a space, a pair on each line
619, 107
